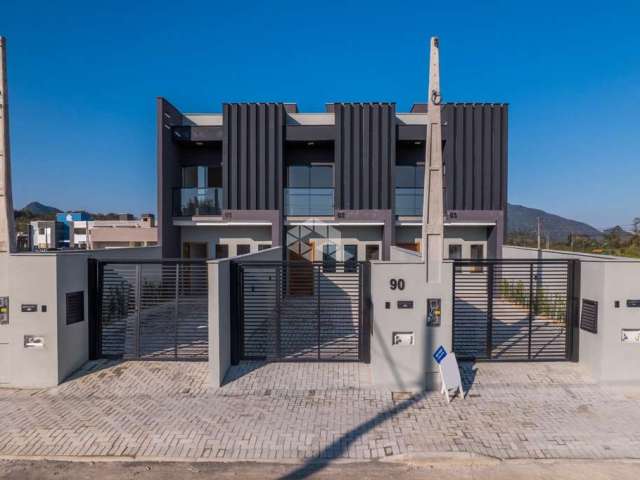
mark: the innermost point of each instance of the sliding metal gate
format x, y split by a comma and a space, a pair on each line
296, 311
515, 309
152, 310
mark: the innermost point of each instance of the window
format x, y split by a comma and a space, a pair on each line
194, 250
372, 252
75, 307
409, 189
263, 246
310, 176
222, 251
410, 176
477, 252
329, 257
41, 231
79, 231
201, 177
455, 251
243, 249
350, 258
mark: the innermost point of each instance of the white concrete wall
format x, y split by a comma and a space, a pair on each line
228, 235
44, 279
339, 236
604, 353
407, 368
512, 252
464, 236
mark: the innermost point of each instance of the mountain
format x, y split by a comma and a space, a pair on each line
621, 233
523, 220
38, 209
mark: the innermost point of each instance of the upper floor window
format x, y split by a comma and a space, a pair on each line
310, 176
409, 189
201, 177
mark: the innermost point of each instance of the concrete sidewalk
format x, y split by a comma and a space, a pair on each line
318, 411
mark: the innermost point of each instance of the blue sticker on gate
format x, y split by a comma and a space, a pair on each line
440, 354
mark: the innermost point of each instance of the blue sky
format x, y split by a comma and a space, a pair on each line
84, 77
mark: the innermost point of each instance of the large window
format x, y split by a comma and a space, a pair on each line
409, 189
372, 252
201, 192
309, 190
201, 177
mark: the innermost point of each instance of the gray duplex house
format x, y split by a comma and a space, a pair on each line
341, 185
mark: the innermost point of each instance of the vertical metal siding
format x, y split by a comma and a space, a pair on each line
475, 156
252, 152
365, 155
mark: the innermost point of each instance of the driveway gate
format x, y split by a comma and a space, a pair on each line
296, 311
151, 310
515, 309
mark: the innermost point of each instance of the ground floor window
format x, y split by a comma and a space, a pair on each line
477, 252
350, 258
329, 257
222, 251
264, 246
194, 250
372, 252
243, 249
455, 251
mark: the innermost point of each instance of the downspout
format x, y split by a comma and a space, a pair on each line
432, 208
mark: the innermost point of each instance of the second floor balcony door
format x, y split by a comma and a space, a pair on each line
309, 190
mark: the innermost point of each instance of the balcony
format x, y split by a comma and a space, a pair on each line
308, 202
409, 202
189, 202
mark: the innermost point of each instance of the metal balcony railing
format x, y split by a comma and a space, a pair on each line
188, 202
309, 201
409, 201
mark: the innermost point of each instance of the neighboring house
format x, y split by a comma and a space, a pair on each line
127, 232
76, 230
341, 185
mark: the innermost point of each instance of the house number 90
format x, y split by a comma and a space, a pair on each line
396, 284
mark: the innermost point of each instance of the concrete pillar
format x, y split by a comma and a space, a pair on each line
7, 226
433, 208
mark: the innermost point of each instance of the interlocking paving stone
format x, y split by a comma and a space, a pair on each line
327, 410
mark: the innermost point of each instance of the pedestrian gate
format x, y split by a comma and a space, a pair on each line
515, 309
296, 311
151, 310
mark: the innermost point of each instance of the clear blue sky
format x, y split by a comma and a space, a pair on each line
84, 76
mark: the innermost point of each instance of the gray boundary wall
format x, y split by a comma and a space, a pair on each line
220, 311
44, 279
604, 279
408, 368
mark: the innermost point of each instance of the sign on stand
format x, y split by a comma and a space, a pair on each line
449, 372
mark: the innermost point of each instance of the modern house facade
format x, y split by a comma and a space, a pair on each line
344, 184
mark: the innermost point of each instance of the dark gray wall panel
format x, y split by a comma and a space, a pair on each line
252, 152
168, 163
365, 155
475, 156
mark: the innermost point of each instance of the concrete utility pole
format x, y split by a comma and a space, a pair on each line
539, 232
433, 208
7, 226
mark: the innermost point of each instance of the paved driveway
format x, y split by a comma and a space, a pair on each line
308, 410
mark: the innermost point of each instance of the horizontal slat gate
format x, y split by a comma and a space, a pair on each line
300, 311
512, 310
153, 310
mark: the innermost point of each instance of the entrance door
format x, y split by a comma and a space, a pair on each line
195, 250
299, 272
477, 253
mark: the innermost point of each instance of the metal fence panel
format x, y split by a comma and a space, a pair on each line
153, 310
512, 310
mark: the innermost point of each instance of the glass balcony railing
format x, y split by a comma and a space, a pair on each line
308, 201
188, 202
409, 202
